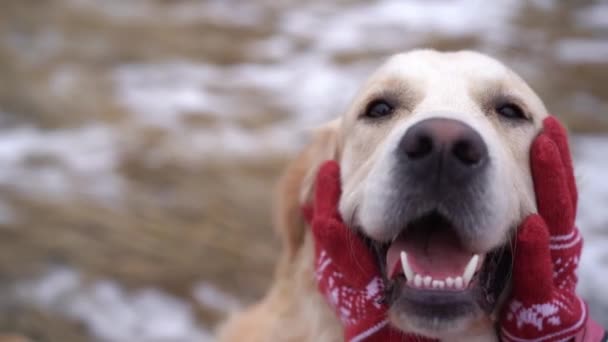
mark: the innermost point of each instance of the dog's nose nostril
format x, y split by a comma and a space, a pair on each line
447, 145
468, 152
418, 145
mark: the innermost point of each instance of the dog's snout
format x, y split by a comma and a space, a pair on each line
451, 145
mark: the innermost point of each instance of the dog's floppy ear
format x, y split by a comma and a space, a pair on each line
296, 185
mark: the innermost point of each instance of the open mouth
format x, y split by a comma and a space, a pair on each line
428, 264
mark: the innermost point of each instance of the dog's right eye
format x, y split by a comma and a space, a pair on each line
510, 111
378, 109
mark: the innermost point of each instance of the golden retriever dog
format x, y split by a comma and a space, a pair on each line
434, 159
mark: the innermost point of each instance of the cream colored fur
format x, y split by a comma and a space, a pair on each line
432, 84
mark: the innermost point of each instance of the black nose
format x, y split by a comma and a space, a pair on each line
445, 146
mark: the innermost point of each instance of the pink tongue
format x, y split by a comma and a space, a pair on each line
438, 254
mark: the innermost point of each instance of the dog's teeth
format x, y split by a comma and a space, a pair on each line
449, 281
427, 281
470, 269
438, 284
459, 283
418, 280
407, 270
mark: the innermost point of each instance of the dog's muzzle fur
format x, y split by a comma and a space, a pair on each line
441, 165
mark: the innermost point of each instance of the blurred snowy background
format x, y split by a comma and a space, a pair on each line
140, 141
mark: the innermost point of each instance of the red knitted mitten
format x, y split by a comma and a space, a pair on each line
346, 271
543, 305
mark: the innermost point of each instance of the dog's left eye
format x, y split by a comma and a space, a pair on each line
378, 109
510, 111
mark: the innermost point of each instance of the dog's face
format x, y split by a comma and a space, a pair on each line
434, 156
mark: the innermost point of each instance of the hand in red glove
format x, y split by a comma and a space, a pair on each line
543, 305
346, 271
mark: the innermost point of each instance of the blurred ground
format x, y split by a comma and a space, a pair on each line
140, 141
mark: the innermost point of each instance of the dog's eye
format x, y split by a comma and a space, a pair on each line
378, 109
510, 111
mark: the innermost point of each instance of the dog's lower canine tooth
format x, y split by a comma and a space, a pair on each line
470, 269
407, 270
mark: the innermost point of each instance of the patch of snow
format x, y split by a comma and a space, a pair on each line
212, 297
112, 313
359, 26
594, 16
81, 160
236, 142
579, 50
592, 277
276, 47
160, 94
591, 168
221, 12
306, 84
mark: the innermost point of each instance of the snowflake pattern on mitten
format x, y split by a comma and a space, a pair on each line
353, 305
544, 305
346, 270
